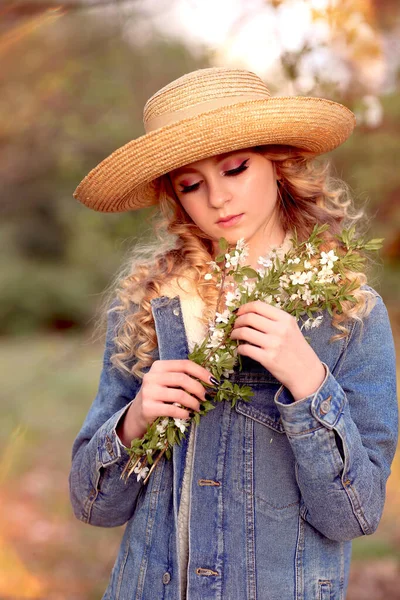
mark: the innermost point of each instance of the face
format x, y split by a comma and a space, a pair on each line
233, 196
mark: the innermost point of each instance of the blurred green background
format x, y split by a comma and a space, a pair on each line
73, 82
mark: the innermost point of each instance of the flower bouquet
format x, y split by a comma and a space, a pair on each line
304, 283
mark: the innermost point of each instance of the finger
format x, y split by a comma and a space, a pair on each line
183, 381
258, 322
262, 308
170, 395
185, 365
253, 352
251, 336
170, 410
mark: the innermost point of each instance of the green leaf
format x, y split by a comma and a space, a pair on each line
171, 435
223, 244
207, 405
249, 272
374, 244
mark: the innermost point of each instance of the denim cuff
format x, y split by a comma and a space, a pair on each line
322, 408
109, 445
119, 442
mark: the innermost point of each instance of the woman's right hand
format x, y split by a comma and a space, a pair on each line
167, 382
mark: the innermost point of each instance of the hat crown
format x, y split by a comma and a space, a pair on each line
204, 89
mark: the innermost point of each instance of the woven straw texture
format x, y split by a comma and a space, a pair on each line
201, 114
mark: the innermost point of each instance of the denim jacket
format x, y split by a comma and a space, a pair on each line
278, 488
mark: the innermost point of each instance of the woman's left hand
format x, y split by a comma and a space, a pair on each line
272, 337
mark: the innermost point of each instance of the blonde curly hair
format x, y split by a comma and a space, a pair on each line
308, 195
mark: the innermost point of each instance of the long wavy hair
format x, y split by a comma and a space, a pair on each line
308, 195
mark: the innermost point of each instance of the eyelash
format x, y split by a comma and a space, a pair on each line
231, 173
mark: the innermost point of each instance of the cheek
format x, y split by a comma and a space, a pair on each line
192, 209
263, 191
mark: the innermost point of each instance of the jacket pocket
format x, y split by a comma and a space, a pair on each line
264, 464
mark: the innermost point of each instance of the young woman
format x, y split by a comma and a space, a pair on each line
261, 500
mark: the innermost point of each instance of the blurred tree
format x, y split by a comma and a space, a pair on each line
70, 93
360, 40
351, 54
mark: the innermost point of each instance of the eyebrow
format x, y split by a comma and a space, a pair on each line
216, 159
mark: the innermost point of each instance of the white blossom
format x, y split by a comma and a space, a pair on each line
215, 338
300, 278
284, 280
310, 249
325, 274
317, 321
328, 258
231, 298
241, 244
214, 266
265, 262
316, 297
162, 426
232, 260
141, 472
207, 276
227, 372
243, 250
249, 286
222, 317
307, 296
313, 322
181, 424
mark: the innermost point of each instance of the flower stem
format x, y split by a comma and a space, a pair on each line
156, 462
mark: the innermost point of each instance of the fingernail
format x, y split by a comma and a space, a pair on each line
209, 396
235, 309
214, 381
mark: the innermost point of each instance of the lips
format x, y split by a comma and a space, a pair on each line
228, 218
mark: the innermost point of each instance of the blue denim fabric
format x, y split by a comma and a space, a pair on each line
278, 488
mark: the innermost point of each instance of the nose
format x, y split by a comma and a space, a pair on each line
218, 193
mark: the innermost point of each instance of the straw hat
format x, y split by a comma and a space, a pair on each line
204, 113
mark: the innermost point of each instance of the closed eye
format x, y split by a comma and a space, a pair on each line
242, 167
185, 189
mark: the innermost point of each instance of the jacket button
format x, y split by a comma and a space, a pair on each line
109, 447
166, 578
325, 406
176, 312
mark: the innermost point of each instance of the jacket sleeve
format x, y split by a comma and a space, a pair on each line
344, 436
98, 495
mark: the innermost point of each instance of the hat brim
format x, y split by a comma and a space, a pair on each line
125, 180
